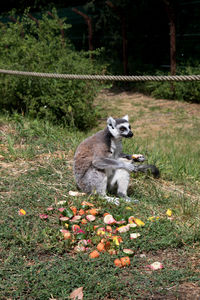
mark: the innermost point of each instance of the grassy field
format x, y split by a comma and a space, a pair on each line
36, 173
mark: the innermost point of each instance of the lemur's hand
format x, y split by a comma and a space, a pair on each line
138, 157
131, 168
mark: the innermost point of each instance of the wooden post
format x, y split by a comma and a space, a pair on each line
171, 16
88, 21
124, 35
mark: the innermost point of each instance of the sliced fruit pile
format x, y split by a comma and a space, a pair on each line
89, 229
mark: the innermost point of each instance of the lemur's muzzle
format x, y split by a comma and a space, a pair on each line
129, 135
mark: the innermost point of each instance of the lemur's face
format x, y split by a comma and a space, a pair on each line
119, 127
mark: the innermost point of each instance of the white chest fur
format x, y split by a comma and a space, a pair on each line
115, 147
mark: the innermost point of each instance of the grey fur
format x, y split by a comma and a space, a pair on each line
100, 165
97, 159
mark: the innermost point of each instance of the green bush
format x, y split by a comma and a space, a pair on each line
185, 90
27, 47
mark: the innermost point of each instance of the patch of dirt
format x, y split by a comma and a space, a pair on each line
21, 166
68, 156
171, 259
149, 116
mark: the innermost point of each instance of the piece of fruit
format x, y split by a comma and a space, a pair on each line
93, 211
63, 220
139, 222
66, 234
138, 157
75, 219
128, 252
153, 218
128, 208
108, 219
169, 212
84, 221
131, 219
79, 248
22, 212
94, 254
81, 212
118, 263
108, 228
105, 214
50, 208
132, 225
125, 261
90, 218
134, 235
74, 193
155, 266
82, 243
75, 228
101, 231
123, 229
74, 209
85, 203
117, 240
101, 247
43, 216
61, 209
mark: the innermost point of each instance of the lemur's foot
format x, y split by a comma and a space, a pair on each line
131, 200
128, 199
112, 200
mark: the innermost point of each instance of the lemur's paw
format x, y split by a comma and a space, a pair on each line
138, 157
131, 168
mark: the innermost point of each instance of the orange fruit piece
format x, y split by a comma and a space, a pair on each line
125, 261
81, 212
83, 221
108, 228
93, 211
118, 262
105, 214
101, 247
74, 209
85, 203
94, 254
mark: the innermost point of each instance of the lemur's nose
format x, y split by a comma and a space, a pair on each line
130, 134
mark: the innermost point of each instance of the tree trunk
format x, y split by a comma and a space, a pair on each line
89, 24
124, 35
171, 16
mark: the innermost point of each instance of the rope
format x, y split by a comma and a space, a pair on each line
104, 77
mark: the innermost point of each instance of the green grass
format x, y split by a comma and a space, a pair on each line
36, 172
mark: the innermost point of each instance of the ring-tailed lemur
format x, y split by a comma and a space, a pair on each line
100, 165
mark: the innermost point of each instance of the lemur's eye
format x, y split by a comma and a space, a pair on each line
129, 127
122, 129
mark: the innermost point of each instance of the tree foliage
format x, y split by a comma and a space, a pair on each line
26, 46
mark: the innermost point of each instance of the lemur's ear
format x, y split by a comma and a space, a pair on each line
125, 118
111, 122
